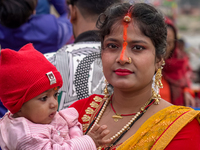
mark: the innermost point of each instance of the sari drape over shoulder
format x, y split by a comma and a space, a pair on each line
156, 133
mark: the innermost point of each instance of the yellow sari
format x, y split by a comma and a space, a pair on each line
158, 131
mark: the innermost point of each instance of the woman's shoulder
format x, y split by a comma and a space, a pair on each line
187, 136
167, 107
87, 107
86, 101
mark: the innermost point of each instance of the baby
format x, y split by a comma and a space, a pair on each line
29, 86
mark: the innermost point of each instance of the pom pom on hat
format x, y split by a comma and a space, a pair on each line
24, 75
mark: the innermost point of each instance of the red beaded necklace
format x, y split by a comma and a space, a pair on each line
116, 117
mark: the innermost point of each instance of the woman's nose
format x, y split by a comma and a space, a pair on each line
123, 56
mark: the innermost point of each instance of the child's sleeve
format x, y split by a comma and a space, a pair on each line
78, 143
71, 117
77, 140
18, 134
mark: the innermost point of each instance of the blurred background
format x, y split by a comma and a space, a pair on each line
186, 15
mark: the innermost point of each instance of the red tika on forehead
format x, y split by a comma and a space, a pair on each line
127, 20
125, 40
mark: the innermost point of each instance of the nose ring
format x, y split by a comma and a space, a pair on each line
129, 60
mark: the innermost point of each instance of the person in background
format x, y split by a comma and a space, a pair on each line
29, 90
3, 110
176, 80
181, 44
19, 25
133, 39
43, 6
79, 63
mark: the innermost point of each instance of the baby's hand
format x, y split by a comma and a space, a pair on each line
97, 133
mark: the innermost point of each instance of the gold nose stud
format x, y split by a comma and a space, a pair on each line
129, 60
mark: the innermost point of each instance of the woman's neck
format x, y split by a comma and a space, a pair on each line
129, 102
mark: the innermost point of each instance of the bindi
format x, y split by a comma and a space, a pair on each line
55, 88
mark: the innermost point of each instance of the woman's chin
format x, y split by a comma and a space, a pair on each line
123, 85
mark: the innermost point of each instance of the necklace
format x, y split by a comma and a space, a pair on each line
142, 110
120, 133
131, 123
116, 117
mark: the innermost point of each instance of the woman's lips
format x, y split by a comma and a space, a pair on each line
123, 72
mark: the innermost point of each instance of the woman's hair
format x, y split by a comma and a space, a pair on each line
14, 13
149, 20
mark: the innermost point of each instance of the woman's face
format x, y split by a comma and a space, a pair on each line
170, 41
117, 70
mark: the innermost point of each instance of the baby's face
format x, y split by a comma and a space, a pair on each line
42, 108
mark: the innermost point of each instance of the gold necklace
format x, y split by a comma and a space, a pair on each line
107, 99
117, 116
131, 122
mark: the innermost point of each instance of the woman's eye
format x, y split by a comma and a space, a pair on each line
44, 98
137, 47
112, 46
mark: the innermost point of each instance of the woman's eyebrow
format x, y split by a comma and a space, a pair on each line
138, 41
133, 41
111, 39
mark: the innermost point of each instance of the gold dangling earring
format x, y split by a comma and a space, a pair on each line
156, 96
158, 78
106, 93
158, 84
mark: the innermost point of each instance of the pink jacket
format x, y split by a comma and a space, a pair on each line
64, 133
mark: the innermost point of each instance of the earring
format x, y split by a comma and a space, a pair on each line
163, 63
106, 93
158, 78
157, 84
129, 60
156, 96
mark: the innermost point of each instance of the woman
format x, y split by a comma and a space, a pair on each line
133, 46
176, 72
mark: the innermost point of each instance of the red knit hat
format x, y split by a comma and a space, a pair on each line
24, 75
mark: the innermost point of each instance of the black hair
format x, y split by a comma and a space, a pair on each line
92, 7
149, 20
181, 41
14, 13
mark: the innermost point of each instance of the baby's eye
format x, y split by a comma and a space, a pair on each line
56, 94
44, 98
138, 47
